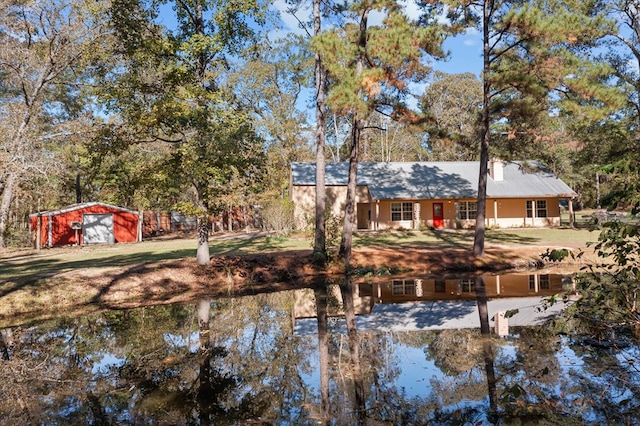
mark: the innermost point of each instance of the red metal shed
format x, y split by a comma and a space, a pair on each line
86, 223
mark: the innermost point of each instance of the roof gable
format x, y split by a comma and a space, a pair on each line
437, 180
80, 206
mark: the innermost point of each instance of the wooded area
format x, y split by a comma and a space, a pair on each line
201, 106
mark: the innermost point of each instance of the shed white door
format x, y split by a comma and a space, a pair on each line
97, 228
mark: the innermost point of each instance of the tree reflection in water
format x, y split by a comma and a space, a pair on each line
321, 295
487, 347
347, 289
250, 360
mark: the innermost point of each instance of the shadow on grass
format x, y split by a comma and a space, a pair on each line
245, 244
24, 272
509, 238
415, 239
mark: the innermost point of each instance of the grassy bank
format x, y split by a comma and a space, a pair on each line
32, 264
36, 285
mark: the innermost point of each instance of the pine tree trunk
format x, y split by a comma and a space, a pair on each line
485, 330
346, 242
478, 241
356, 130
320, 240
323, 349
348, 291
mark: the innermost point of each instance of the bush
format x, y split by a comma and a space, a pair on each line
277, 216
333, 231
610, 292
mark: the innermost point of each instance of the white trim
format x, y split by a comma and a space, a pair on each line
81, 206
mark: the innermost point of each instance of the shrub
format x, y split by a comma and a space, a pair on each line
277, 216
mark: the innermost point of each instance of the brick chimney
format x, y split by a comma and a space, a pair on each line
496, 170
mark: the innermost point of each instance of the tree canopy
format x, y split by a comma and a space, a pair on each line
202, 106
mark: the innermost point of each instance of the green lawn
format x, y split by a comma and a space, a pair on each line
16, 264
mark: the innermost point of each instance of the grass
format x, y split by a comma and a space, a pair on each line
19, 264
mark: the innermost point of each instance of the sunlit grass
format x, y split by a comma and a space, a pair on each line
31, 263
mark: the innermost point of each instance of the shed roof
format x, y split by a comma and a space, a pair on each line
438, 180
81, 206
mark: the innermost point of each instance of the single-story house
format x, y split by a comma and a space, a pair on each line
86, 223
433, 194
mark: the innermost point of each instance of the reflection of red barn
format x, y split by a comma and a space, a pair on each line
87, 223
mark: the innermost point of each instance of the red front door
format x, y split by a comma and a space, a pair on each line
438, 215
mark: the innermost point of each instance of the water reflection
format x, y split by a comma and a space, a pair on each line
435, 303
249, 360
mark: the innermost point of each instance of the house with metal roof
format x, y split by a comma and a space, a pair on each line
434, 194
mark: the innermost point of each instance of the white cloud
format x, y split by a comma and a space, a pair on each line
411, 9
289, 22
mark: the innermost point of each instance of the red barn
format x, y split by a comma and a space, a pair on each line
86, 223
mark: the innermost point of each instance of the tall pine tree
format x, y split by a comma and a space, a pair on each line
536, 57
370, 68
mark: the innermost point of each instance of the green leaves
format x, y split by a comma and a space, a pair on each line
391, 55
608, 306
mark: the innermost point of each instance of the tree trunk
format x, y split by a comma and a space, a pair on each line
478, 241
348, 291
487, 348
323, 349
205, 388
319, 244
245, 214
78, 189
346, 243
5, 205
598, 190
202, 255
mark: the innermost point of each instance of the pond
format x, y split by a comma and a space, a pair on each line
394, 350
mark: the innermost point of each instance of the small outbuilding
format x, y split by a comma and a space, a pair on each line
86, 223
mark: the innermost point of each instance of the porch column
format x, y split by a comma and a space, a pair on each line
416, 215
498, 284
571, 218
377, 223
495, 212
533, 212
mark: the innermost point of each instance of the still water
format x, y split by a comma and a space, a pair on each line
402, 350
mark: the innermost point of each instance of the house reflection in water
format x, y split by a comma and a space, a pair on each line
409, 303
456, 288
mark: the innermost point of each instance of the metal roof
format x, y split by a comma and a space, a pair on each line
438, 180
80, 206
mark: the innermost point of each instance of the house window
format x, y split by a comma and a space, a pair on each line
532, 282
541, 208
545, 282
468, 285
467, 210
403, 287
401, 211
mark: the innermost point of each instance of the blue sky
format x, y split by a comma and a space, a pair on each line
465, 54
465, 49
